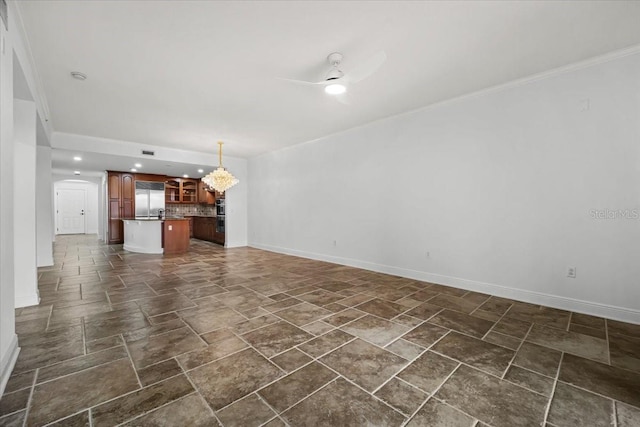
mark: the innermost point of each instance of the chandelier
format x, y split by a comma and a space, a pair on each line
220, 179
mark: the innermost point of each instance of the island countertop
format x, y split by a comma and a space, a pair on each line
156, 219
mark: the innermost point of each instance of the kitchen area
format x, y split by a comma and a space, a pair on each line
158, 214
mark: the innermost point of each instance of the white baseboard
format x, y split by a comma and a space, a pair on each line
27, 300
7, 362
533, 297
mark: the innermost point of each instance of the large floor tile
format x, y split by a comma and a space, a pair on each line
137, 403
189, 411
151, 350
575, 407
625, 352
494, 401
570, 342
539, 314
226, 380
401, 395
488, 357
215, 351
205, 321
381, 308
276, 338
539, 359
248, 412
81, 390
365, 364
461, 322
375, 330
81, 363
426, 334
334, 406
325, 343
302, 314
627, 416
616, 383
428, 371
437, 414
47, 348
289, 390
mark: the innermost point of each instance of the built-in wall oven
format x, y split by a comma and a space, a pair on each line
220, 207
219, 215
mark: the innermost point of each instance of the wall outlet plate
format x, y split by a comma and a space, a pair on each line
571, 272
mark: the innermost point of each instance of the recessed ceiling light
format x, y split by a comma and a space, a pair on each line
77, 158
134, 170
78, 75
138, 165
200, 170
185, 176
335, 89
76, 172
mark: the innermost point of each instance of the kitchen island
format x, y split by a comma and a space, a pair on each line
156, 236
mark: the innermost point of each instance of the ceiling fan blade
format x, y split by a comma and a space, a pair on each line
366, 68
302, 82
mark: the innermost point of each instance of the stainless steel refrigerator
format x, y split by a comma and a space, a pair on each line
149, 199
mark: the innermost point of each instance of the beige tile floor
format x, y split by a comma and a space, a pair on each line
244, 337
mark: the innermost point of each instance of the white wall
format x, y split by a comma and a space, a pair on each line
8, 338
498, 187
236, 205
91, 202
44, 207
24, 203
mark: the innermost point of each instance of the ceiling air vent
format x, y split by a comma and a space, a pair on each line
148, 153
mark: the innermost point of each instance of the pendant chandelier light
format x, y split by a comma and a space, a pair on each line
220, 179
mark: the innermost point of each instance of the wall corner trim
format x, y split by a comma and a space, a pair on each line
555, 301
7, 363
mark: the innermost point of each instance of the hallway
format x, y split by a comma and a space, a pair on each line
248, 337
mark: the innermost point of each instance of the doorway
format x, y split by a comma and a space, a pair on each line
70, 213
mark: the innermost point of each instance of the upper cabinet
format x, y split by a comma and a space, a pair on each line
181, 190
205, 197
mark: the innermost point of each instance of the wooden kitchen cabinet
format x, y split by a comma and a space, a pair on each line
181, 190
204, 228
122, 196
205, 197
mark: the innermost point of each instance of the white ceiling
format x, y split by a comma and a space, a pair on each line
93, 165
186, 74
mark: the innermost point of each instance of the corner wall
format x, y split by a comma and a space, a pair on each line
497, 192
24, 203
8, 339
44, 207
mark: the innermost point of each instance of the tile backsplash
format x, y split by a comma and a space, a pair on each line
190, 209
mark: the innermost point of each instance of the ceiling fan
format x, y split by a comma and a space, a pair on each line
336, 81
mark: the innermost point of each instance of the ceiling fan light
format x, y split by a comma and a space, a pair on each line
335, 89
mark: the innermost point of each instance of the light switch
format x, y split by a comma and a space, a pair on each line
170, 227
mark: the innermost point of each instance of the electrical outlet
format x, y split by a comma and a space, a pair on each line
335, 243
428, 254
571, 272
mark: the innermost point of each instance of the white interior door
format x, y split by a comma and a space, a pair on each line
70, 211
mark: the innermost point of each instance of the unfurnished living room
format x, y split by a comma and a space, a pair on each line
320, 213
